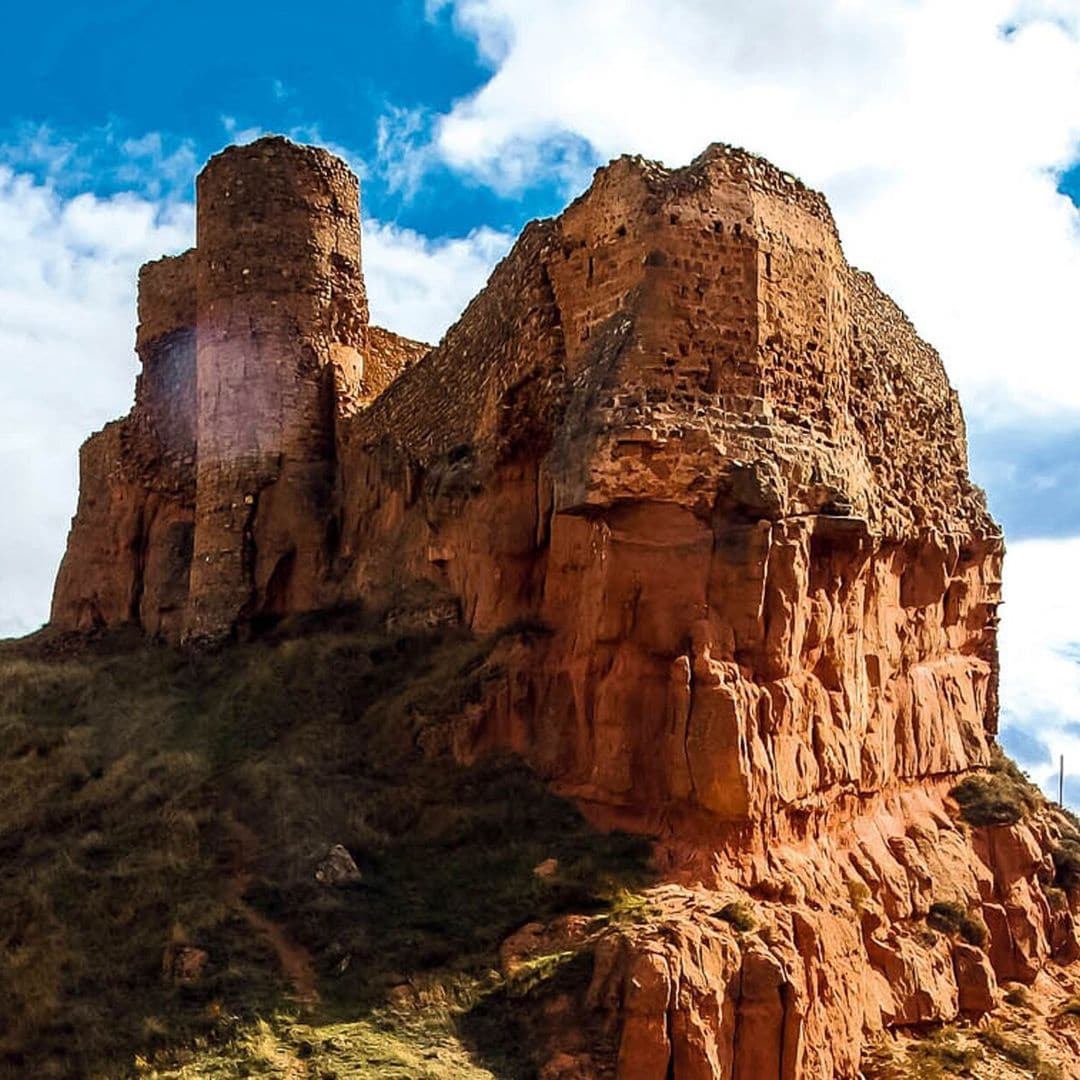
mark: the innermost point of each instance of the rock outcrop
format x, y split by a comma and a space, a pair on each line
720, 477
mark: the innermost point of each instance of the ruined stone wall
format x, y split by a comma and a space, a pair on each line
280, 298
163, 420
129, 552
211, 503
386, 356
454, 396
97, 583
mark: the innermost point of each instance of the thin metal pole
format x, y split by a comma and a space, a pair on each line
1061, 784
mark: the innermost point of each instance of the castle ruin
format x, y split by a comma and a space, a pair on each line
717, 466
210, 504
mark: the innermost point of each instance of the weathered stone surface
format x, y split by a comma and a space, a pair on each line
337, 868
975, 979
213, 502
719, 472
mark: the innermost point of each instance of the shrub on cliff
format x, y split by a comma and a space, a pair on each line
1003, 795
1071, 1008
950, 918
738, 914
1066, 856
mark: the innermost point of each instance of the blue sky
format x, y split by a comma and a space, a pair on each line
946, 136
194, 73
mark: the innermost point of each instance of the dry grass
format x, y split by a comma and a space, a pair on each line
1003, 795
125, 765
955, 1053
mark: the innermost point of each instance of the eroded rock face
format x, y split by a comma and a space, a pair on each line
723, 470
723, 482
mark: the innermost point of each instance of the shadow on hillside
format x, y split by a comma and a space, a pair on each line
126, 766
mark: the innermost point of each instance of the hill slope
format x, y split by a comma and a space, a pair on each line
162, 820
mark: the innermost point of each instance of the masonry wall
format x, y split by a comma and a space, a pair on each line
212, 502
165, 399
280, 300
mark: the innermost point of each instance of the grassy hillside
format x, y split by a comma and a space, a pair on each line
155, 802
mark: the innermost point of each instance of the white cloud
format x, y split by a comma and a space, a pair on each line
154, 165
1040, 650
418, 286
935, 133
401, 146
67, 291
238, 135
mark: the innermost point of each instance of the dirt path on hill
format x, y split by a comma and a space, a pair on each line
295, 961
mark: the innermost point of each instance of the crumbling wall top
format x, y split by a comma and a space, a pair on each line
277, 217
717, 162
166, 297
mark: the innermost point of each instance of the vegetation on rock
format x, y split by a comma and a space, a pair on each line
952, 918
739, 914
1003, 795
952, 1053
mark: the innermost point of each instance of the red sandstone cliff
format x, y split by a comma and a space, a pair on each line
720, 469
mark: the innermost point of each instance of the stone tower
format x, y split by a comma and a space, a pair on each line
213, 502
282, 319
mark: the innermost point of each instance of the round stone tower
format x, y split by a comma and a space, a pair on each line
281, 321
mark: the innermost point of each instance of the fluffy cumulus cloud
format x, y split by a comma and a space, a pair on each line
67, 293
1040, 643
937, 130
417, 286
